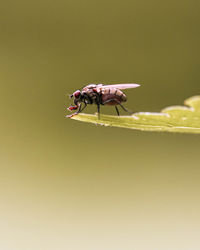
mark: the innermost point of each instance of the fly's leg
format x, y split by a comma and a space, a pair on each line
124, 108
117, 110
98, 110
98, 103
80, 110
118, 104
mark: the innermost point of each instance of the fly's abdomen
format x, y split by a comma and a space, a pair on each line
112, 96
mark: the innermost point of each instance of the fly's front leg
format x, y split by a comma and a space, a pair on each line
80, 110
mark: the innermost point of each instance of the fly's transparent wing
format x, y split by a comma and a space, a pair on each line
121, 86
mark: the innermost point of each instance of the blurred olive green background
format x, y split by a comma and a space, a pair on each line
71, 186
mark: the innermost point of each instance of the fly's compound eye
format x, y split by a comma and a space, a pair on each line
77, 94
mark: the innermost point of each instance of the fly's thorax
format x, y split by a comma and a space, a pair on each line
90, 86
89, 96
88, 92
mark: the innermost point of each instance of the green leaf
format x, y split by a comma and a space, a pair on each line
183, 119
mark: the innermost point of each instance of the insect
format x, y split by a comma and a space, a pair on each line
100, 94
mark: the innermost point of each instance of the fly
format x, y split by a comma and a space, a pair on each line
100, 94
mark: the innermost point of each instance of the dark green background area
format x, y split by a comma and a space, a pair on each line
71, 185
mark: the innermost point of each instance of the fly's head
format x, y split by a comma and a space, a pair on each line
77, 97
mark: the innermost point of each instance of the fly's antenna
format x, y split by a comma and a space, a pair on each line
69, 95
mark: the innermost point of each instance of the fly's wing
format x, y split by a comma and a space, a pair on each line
121, 86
